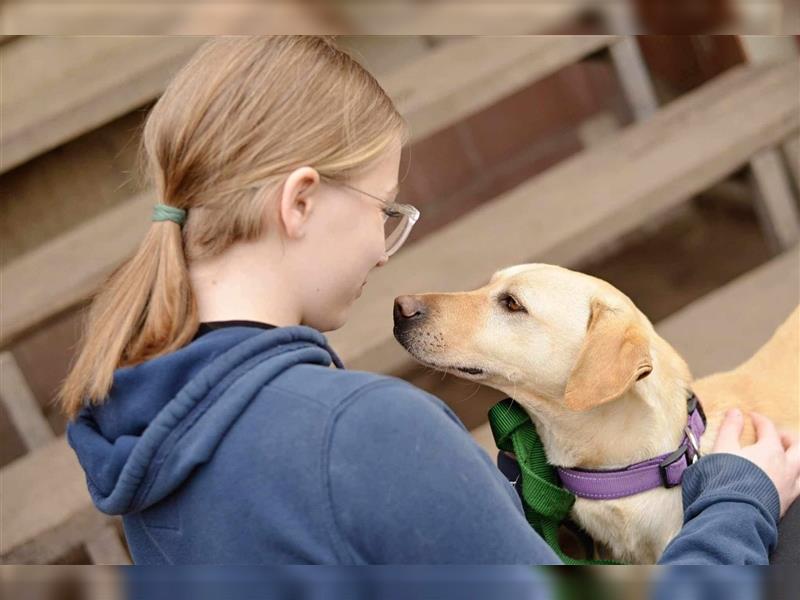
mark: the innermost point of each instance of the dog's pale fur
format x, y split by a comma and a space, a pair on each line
604, 389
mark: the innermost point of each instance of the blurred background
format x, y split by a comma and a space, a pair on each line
398, 16
664, 164
440, 582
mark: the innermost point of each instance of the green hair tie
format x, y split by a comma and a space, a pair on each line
164, 212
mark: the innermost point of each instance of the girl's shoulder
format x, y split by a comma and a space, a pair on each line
337, 388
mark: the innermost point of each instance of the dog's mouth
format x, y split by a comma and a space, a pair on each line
465, 372
470, 370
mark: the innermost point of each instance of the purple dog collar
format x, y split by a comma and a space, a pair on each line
665, 470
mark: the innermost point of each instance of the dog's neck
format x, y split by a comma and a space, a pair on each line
646, 421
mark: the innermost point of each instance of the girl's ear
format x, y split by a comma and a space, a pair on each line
296, 203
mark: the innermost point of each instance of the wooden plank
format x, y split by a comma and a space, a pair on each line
775, 202
590, 199
598, 128
767, 48
68, 269
791, 150
759, 17
462, 77
756, 302
23, 410
106, 548
46, 508
95, 78
87, 176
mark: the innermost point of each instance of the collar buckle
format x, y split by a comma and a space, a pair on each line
692, 443
693, 404
671, 459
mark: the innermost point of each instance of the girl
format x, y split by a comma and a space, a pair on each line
208, 409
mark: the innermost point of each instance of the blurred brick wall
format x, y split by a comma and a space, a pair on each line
461, 167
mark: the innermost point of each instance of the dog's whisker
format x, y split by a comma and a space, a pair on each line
477, 389
514, 393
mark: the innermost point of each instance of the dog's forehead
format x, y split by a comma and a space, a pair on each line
517, 270
533, 273
542, 285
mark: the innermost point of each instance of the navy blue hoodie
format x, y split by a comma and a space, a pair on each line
246, 446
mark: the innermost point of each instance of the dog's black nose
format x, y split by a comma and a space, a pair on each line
407, 308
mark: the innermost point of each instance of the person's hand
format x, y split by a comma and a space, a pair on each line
776, 453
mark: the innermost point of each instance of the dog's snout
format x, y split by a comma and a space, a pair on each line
407, 307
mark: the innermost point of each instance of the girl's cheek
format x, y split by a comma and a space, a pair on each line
380, 245
377, 240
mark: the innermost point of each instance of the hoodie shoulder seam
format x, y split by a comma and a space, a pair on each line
296, 394
340, 540
345, 399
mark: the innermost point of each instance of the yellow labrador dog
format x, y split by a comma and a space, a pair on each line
603, 388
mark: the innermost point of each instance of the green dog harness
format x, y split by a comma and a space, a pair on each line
545, 502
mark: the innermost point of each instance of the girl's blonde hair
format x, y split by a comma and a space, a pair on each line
231, 125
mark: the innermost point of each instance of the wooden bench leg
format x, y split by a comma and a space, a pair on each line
635, 79
628, 61
27, 418
791, 150
106, 548
21, 405
774, 201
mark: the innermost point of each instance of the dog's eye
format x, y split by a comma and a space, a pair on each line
510, 303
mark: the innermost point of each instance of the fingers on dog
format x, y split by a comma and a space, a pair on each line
729, 431
766, 432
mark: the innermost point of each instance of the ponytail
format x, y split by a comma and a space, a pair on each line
145, 308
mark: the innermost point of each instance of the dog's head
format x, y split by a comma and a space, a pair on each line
561, 335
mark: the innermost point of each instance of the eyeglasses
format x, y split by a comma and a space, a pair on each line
398, 219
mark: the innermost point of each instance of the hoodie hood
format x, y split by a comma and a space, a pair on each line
164, 417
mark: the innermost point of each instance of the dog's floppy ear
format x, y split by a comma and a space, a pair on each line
614, 355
